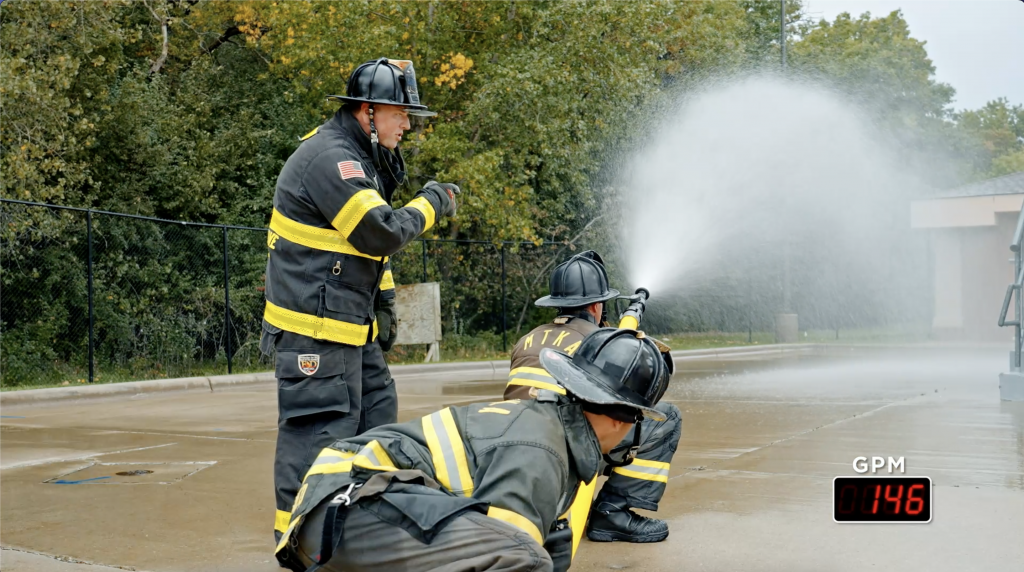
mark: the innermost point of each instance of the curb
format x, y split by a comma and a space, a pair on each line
416, 373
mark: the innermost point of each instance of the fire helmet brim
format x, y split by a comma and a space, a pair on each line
574, 301
586, 387
416, 110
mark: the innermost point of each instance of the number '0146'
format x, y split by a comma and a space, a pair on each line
882, 499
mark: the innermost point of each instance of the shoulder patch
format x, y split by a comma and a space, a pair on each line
351, 170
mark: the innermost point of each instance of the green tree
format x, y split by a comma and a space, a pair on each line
997, 131
881, 68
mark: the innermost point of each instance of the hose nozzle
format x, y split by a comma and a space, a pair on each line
630, 319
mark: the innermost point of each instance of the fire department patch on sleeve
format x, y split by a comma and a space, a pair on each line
309, 363
351, 170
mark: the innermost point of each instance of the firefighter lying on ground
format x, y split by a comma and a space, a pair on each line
579, 289
488, 486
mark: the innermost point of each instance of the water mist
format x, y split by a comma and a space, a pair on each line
763, 195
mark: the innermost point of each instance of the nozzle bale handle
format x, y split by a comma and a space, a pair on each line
630, 319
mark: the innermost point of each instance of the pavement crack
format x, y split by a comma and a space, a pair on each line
81, 457
190, 436
68, 559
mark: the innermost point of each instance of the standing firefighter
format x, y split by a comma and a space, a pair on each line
480, 487
330, 294
638, 468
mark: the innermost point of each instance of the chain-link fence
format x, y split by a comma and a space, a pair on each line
94, 296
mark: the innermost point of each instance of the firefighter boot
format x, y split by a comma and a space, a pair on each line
612, 520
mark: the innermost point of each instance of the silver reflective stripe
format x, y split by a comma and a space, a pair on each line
332, 457
452, 466
368, 453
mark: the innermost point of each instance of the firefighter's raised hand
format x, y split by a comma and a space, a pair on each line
445, 192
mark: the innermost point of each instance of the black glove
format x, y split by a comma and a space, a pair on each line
445, 192
559, 546
387, 325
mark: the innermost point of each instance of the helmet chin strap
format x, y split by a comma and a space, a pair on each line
630, 454
377, 162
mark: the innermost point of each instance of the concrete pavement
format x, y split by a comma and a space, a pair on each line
750, 486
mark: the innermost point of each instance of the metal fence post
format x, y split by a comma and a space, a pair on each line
504, 299
227, 302
424, 243
92, 315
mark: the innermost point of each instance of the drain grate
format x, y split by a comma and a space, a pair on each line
134, 473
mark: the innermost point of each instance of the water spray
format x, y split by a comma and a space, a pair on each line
630, 319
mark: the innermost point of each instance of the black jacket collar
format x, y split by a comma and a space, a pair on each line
581, 440
348, 124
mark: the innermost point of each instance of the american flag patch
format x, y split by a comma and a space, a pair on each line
351, 169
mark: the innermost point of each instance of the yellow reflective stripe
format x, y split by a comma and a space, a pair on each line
628, 323
651, 464
287, 534
447, 452
330, 468
329, 461
281, 520
538, 384
310, 134
373, 456
459, 451
533, 370
332, 461
659, 476
579, 510
423, 205
387, 281
375, 331
517, 520
495, 410
355, 209
313, 237
316, 327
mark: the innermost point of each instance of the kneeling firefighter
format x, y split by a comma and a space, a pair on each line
638, 470
480, 487
329, 290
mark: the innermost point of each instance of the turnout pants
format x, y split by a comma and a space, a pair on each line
470, 542
325, 391
642, 483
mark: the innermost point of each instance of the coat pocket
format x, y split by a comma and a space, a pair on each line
348, 303
309, 382
421, 511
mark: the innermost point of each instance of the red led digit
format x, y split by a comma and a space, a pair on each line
878, 492
897, 501
914, 504
853, 499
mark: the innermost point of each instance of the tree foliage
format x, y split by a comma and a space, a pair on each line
187, 109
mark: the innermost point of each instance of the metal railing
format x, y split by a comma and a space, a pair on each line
93, 295
1017, 286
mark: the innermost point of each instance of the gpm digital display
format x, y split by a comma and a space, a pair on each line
882, 499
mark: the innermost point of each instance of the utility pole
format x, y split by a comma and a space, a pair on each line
786, 322
782, 32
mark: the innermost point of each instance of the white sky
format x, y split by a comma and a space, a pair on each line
977, 46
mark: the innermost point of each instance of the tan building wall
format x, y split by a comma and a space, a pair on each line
971, 261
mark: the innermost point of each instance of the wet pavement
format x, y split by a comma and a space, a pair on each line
182, 481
